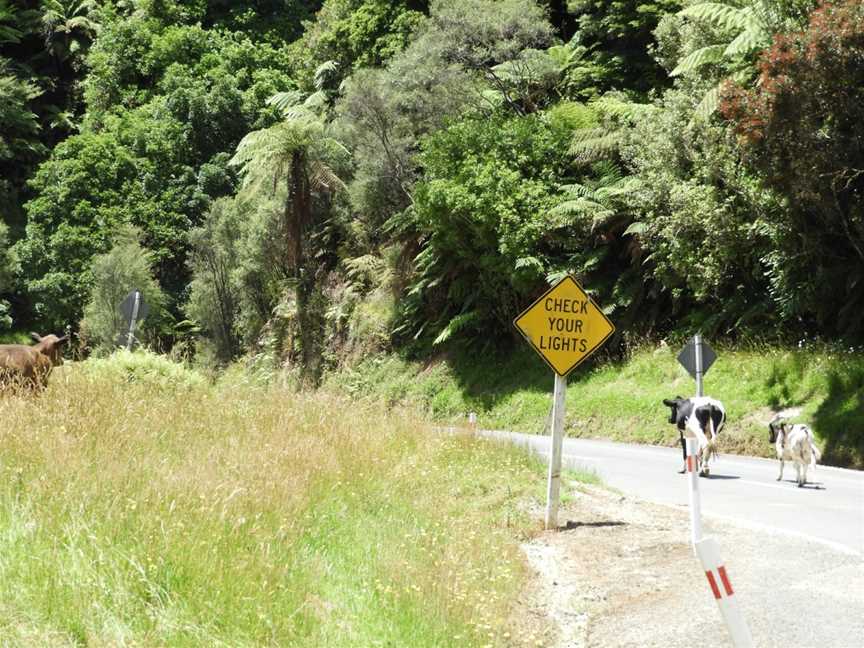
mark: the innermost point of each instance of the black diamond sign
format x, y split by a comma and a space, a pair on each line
128, 306
687, 357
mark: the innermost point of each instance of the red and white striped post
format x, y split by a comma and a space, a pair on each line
715, 571
693, 488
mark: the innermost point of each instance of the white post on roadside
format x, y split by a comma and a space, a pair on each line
554, 485
697, 343
715, 571
130, 339
692, 446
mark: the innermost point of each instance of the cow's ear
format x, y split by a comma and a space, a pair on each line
63, 340
668, 403
36, 336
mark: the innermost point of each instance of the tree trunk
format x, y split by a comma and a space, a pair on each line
296, 226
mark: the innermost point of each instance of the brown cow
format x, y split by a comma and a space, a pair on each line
29, 366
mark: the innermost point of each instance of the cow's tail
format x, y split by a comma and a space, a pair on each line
815, 455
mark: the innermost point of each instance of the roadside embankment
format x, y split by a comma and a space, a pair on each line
621, 400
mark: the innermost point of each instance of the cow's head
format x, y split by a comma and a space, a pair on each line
673, 404
777, 427
51, 346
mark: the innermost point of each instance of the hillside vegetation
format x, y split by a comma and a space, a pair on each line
621, 399
140, 505
311, 182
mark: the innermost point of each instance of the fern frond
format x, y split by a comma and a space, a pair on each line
322, 176
316, 100
695, 60
285, 100
636, 228
323, 71
455, 325
748, 41
529, 262
578, 190
592, 144
613, 106
709, 102
581, 207
718, 14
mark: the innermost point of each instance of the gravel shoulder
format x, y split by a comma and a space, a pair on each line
620, 572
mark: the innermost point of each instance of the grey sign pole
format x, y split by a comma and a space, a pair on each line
131, 338
697, 342
553, 486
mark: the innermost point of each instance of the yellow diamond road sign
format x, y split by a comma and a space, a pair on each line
564, 326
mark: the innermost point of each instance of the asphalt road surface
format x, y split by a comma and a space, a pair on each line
740, 489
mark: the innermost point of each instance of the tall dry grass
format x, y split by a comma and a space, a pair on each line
141, 506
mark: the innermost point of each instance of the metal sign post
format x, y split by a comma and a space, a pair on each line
132, 321
134, 309
564, 326
553, 487
697, 342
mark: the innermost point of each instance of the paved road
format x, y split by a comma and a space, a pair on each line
740, 489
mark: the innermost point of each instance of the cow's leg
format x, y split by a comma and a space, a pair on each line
803, 474
683, 452
798, 474
703, 462
780, 477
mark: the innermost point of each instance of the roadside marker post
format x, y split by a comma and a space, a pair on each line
693, 490
721, 587
565, 326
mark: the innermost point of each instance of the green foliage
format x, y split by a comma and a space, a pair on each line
617, 38
68, 26
487, 147
8, 264
706, 222
125, 267
154, 372
215, 293
299, 154
167, 107
795, 126
357, 34
743, 31
483, 205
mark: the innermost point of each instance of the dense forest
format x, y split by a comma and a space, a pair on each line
310, 182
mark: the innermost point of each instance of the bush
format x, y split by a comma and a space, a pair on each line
143, 368
124, 268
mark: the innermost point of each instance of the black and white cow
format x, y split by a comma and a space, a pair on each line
794, 443
700, 417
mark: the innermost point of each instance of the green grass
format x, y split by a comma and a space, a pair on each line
142, 506
621, 400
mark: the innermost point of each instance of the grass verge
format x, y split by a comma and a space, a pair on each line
143, 507
621, 400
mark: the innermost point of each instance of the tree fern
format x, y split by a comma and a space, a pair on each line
455, 325
752, 34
